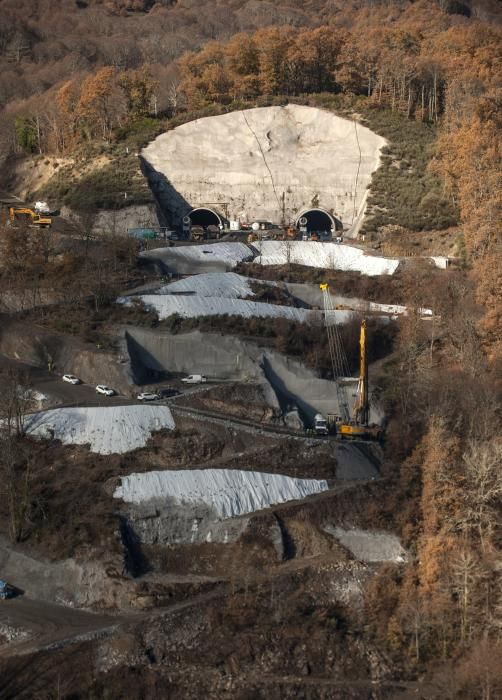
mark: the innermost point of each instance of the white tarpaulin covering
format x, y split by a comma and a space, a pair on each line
331, 256
107, 429
230, 492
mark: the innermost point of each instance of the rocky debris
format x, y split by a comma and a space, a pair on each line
11, 633
292, 420
66, 582
171, 523
370, 546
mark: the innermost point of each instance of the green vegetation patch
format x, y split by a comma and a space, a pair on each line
115, 186
403, 191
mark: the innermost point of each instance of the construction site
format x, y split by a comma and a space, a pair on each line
251, 473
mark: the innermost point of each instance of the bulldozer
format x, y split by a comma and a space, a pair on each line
30, 216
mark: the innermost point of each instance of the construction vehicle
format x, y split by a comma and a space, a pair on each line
6, 591
320, 424
359, 426
29, 216
352, 424
197, 233
290, 233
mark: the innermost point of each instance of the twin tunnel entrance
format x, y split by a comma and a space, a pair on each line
315, 219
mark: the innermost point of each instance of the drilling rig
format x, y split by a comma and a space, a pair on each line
352, 424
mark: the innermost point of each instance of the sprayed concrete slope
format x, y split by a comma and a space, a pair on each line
231, 358
311, 295
331, 256
230, 492
112, 430
190, 259
194, 306
222, 257
229, 285
260, 162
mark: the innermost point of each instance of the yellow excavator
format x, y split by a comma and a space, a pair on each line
351, 424
30, 216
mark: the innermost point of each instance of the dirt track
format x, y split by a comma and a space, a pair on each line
42, 625
35, 624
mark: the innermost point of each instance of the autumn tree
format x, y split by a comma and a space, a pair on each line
100, 105
140, 90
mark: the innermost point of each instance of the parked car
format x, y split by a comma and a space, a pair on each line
6, 591
168, 391
71, 379
103, 389
194, 379
148, 396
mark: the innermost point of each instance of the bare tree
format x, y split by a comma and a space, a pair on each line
483, 488
16, 400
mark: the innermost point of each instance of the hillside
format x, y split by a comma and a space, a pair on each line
250, 448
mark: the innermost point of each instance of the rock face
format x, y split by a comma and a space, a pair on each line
266, 163
116, 222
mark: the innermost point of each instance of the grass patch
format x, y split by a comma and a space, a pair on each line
403, 191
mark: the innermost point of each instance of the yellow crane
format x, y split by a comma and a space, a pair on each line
359, 426
27, 214
352, 424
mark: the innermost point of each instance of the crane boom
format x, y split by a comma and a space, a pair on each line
339, 364
356, 424
361, 407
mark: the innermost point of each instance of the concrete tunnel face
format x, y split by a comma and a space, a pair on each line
266, 163
203, 216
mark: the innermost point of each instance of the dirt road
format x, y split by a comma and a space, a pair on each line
34, 625
30, 625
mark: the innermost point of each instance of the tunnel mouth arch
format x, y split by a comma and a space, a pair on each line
319, 220
204, 216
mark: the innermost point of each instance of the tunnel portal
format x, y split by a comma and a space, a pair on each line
203, 216
319, 220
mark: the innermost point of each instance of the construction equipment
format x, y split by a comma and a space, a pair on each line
320, 424
6, 591
350, 424
290, 233
197, 233
359, 426
28, 215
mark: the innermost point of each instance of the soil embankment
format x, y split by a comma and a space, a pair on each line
64, 354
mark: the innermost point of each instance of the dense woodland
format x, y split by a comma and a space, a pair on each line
97, 72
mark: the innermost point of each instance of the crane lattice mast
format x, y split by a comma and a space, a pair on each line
339, 363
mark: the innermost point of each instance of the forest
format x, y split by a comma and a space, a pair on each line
100, 73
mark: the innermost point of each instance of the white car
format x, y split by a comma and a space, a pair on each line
71, 379
194, 379
103, 389
147, 396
